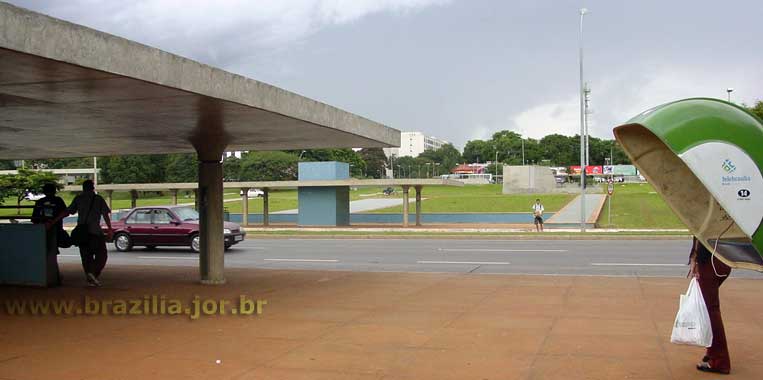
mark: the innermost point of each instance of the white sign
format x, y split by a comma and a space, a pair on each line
733, 179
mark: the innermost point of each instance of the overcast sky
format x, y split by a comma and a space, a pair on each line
459, 70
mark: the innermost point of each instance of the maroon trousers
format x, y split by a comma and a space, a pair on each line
718, 352
93, 254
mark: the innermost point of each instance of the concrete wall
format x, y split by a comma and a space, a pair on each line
528, 179
323, 206
311, 171
22, 255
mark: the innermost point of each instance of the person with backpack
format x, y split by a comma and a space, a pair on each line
88, 235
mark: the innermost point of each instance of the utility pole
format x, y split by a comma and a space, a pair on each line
95, 172
583, 12
523, 151
587, 111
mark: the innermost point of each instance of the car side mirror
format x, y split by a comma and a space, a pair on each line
176, 222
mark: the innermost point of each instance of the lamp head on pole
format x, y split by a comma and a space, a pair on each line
583, 11
729, 90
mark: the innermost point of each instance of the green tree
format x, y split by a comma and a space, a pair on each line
63, 163
560, 150
756, 109
478, 151
182, 167
232, 169
405, 167
444, 159
7, 165
357, 165
375, 160
133, 169
268, 166
26, 181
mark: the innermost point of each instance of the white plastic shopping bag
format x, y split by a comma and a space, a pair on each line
692, 324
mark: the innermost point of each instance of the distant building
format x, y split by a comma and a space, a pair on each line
470, 169
414, 143
236, 154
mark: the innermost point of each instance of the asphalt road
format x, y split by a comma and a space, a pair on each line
663, 258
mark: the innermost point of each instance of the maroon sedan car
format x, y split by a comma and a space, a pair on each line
155, 226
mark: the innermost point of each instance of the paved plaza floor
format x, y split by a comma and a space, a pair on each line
363, 325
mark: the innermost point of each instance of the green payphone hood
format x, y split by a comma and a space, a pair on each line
704, 157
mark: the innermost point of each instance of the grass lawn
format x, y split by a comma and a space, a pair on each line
472, 198
639, 206
278, 200
478, 198
121, 200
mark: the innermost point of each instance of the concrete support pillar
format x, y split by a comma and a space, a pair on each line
245, 206
418, 205
174, 194
210, 140
265, 207
405, 205
210, 200
109, 198
133, 199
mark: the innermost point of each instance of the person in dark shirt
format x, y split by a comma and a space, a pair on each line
46, 209
90, 208
711, 273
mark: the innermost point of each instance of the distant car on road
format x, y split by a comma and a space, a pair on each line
166, 226
252, 193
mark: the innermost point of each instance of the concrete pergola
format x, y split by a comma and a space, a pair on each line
266, 186
71, 91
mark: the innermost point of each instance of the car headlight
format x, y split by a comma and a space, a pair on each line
226, 231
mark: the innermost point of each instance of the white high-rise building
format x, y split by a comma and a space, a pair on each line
414, 143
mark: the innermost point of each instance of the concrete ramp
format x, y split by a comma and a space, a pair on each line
569, 215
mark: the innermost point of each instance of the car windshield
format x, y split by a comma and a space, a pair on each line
186, 213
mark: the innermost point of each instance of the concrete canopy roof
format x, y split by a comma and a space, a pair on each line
70, 91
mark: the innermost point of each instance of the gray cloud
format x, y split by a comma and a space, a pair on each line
459, 69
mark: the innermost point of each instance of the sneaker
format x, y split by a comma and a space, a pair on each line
92, 280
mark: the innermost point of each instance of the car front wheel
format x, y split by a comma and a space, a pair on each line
195, 243
123, 242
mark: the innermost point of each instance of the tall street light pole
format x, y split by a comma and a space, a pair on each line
583, 12
729, 91
586, 112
